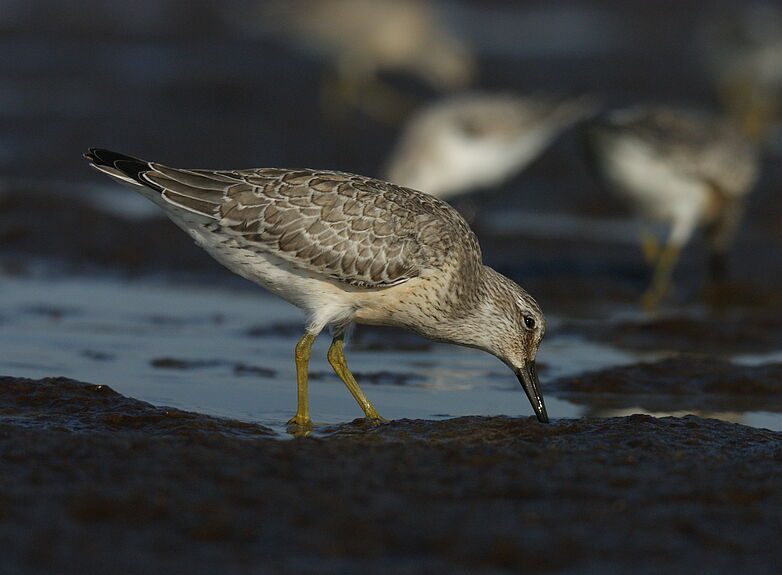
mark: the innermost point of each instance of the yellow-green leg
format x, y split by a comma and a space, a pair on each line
382, 103
337, 360
303, 352
661, 280
650, 247
366, 94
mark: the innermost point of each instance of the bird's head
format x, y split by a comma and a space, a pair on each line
510, 325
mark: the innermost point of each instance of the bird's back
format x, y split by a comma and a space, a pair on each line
349, 228
688, 143
477, 140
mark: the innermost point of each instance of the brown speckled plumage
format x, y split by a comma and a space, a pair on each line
356, 230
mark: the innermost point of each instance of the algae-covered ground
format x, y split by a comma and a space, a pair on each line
92, 481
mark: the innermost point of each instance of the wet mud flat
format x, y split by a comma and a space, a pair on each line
748, 330
681, 383
91, 481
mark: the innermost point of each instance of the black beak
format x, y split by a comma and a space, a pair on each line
528, 378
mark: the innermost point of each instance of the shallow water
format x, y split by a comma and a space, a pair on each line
229, 353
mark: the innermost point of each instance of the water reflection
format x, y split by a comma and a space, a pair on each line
731, 416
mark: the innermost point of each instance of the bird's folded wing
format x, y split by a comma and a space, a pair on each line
355, 230
706, 148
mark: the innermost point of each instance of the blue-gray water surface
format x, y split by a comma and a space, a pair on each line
229, 353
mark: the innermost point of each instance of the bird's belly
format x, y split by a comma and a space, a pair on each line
323, 300
482, 164
258, 267
262, 269
657, 189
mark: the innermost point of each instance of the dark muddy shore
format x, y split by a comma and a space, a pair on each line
680, 383
741, 331
96, 482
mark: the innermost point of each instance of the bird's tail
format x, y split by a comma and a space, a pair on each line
125, 169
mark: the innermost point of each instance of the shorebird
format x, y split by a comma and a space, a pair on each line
742, 49
679, 167
478, 140
364, 38
347, 249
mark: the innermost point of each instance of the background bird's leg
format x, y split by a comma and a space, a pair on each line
303, 352
337, 360
650, 246
383, 103
754, 108
761, 113
332, 104
720, 233
661, 278
355, 85
681, 230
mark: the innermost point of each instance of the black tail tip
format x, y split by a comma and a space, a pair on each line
91, 155
103, 157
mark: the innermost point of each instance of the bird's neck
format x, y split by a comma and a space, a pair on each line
466, 308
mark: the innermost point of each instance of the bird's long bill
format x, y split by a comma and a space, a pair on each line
528, 378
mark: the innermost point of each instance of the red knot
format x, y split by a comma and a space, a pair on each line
345, 249
679, 167
478, 140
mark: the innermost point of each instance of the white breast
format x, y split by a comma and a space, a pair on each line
324, 301
468, 163
658, 189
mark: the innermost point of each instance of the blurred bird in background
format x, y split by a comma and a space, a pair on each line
473, 141
364, 38
679, 167
742, 50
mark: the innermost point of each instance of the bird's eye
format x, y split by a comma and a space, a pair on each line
529, 322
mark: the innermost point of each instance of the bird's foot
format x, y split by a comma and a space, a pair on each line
650, 248
299, 426
372, 416
302, 420
376, 420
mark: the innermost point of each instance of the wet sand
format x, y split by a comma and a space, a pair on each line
96, 482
